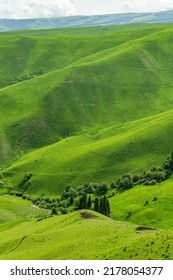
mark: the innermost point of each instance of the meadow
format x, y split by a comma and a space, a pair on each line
78, 105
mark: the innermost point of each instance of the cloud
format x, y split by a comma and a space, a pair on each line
36, 8
54, 8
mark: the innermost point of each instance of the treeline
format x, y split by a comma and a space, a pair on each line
151, 177
101, 204
94, 195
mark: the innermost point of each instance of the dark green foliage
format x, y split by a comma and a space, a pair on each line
171, 162
83, 202
146, 203
102, 205
102, 189
89, 187
96, 204
89, 203
64, 211
113, 185
54, 211
24, 184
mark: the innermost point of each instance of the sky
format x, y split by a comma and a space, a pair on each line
54, 8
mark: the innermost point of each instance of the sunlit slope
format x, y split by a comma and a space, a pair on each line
97, 157
105, 90
99, 238
14, 211
158, 211
123, 83
35, 52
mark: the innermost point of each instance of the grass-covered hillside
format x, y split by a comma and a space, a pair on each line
83, 107
74, 237
80, 107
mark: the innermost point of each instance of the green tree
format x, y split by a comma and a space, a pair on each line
89, 203
96, 204
171, 162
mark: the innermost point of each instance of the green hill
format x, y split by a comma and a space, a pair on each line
132, 80
60, 237
110, 152
85, 105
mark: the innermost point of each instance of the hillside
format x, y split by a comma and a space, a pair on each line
105, 20
84, 105
52, 238
74, 126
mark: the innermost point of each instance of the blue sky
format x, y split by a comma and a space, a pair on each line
54, 8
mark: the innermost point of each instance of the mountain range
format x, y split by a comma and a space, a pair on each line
127, 18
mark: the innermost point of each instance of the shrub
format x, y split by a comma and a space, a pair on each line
102, 189
135, 178
153, 182
64, 211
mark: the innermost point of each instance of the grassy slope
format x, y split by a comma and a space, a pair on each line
61, 236
52, 111
27, 52
106, 154
156, 214
117, 143
15, 211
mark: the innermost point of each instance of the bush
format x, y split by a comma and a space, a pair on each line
147, 183
113, 185
153, 182
102, 189
135, 178
64, 211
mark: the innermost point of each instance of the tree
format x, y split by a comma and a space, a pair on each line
96, 204
102, 188
89, 203
171, 162
108, 208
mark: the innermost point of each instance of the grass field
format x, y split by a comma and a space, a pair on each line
87, 110
84, 105
72, 237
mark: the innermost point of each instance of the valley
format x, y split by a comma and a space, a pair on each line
81, 105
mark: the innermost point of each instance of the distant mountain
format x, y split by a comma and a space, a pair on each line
13, 24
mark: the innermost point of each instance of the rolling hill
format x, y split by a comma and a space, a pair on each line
74, 126
60, 237
84, 105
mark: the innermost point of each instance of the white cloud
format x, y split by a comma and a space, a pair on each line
54, 8
36, 8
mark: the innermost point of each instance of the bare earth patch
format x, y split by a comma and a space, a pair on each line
145, 228
87, 215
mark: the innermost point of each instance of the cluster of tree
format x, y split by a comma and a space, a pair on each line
74, 199
84, 202
102, 205
151, 177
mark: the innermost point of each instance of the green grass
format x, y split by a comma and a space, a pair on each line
71, 100
72, 237
14, 211
156, 214
97, 157
100, 105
